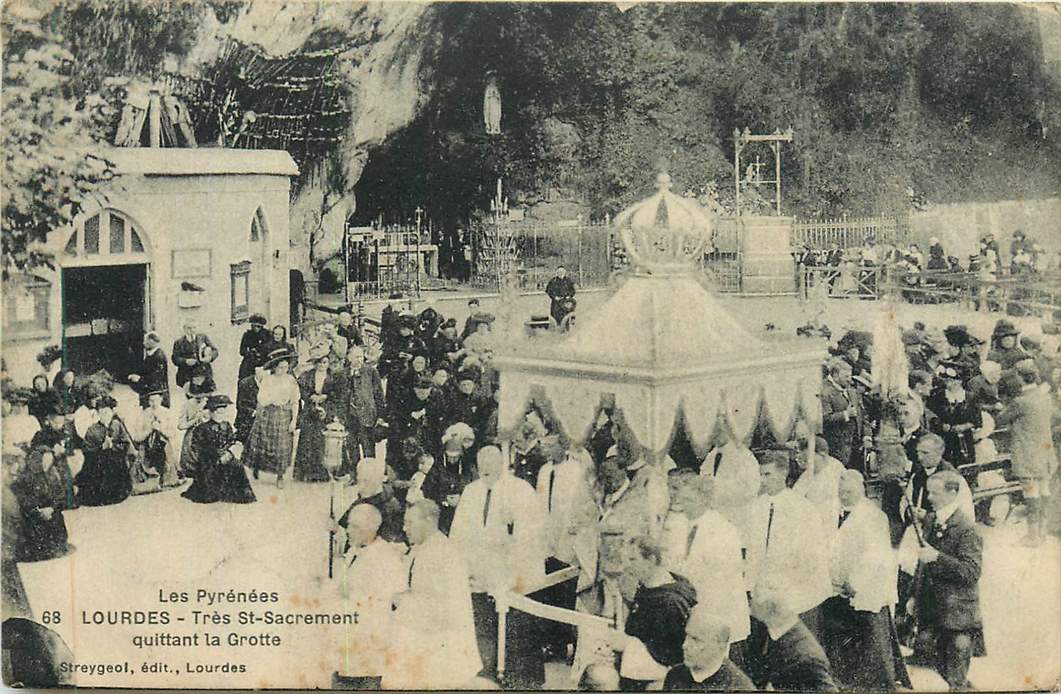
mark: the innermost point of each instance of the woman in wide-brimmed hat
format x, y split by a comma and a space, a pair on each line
1004, 347
221, 476
322, 402
957, 415
276, 417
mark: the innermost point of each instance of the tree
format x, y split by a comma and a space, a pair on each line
51, 158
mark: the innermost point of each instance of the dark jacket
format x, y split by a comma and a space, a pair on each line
184, 349
658, 618
950, 586
793, 663
334, 405
252, 349
728, 678
154, 375
841, 435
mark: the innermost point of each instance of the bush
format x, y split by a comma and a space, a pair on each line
329, 282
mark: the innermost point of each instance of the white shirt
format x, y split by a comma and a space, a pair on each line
786, 543
502, 541
433, 645
565, 498
713, 564
861, 554
822, 489
370, 577
736, 482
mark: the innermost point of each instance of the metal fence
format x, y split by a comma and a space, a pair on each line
849, 232
532, 250
388, 260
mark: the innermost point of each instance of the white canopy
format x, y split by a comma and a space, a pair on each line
660, 346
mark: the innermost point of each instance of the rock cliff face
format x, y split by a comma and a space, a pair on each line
382, 75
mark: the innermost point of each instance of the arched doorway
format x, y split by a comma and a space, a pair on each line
105, 294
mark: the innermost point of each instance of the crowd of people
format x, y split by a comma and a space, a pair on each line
753, 566
923, 278
750, 568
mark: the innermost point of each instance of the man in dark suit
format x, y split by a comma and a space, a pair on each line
706, 666
948, 603
153, 373
781, 651
841, 412
191, 349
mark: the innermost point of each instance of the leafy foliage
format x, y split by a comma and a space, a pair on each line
50, 158
889, 103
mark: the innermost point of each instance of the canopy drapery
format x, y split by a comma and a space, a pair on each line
778, 398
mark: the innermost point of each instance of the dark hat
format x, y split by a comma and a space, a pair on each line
1003, 328
216, 402
257, 319
206, 388
155, 391
468, 375
106, 401
959, 336
277, 356
424, 382
201, 369
450, 323
407, 320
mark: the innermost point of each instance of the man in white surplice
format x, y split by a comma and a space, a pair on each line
565, 496
369, 577
498, 527
709, 554
736, 475
434, 632
785, 541
819, 478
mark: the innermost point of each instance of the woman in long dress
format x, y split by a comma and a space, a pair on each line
322, 399
221, 477
196, 391
273, 430
41, 493
104, 478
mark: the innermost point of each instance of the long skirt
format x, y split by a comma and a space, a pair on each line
43, 538
225, 482
188, 461
309, 454
271, 440
104, 479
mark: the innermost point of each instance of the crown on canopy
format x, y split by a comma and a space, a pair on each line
665, 233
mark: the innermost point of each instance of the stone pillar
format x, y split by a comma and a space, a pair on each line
766, 255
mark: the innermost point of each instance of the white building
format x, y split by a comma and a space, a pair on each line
194, 232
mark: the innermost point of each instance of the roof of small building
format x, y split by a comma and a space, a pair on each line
201, 161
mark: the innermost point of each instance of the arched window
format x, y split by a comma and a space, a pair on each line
106, 238
258, 228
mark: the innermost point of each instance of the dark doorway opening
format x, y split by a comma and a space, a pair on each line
103, 318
